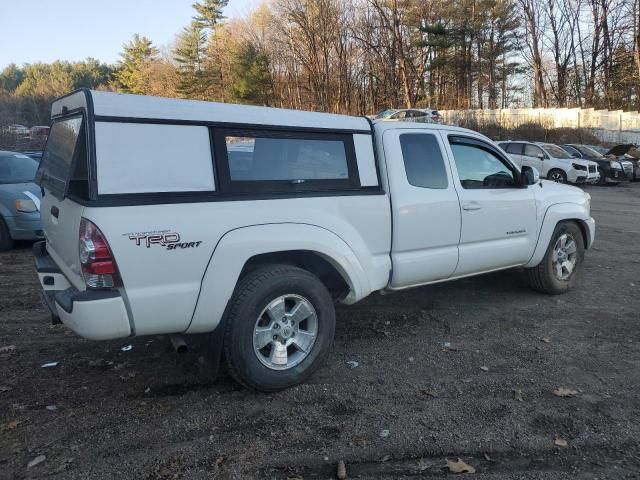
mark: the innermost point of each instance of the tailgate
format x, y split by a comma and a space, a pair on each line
63, 175
61, 225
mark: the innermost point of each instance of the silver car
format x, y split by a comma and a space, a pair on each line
426, 115
19, 199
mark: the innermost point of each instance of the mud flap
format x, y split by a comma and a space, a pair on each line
210, 347
47, 298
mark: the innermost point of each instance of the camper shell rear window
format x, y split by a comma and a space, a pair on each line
63, 166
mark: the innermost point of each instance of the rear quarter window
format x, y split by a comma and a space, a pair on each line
423, 160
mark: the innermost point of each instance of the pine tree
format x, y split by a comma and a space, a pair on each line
250, 75
11, 77
194, 81
132, 74
209, 13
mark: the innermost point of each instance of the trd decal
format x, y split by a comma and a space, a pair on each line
165, 238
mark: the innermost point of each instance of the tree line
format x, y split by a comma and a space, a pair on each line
362, 56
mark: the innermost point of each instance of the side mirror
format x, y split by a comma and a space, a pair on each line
575, 155
541, 156
529, 175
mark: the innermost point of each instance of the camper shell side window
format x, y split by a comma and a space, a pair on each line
280, 161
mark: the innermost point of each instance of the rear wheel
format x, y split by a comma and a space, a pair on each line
558, 270
557, 176
6, 242
279, 328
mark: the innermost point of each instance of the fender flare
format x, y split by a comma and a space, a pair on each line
553, 215
237, 246
5, 212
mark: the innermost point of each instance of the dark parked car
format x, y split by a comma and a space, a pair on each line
19, 199
611, 171
630, 163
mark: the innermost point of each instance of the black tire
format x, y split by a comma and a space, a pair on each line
6, 242
542, 277
603, 180
254, 293
561, 176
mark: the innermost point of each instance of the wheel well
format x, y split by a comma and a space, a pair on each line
585, 233
307, 260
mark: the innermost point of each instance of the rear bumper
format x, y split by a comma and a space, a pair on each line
25, 226
92, 314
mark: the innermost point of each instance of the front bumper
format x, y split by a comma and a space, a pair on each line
582, 176
615, 176
25, 226
92, 314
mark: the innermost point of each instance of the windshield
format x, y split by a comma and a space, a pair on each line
555, 151
385, 113
587, 151
17, 168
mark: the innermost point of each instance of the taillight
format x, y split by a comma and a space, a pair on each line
99, 268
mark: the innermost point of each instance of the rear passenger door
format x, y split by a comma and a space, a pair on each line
514, 149
499, 221
425, 207
532, 153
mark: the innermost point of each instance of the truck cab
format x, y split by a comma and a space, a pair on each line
246, 224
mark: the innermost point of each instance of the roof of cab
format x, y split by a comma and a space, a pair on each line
126, 106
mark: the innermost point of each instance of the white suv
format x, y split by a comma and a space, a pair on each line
553, 162
246, 224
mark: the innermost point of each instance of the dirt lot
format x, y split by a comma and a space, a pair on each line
409, 405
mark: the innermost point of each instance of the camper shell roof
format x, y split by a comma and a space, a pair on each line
113, 106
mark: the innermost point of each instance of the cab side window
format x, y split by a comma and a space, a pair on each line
480, 168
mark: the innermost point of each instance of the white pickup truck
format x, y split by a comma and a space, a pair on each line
167, 216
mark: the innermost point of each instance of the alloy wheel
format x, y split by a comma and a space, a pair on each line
285, 332
564, 256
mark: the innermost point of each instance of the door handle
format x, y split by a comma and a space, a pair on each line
55, 211
471, 206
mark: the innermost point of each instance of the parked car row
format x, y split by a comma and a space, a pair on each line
553, 162
576, 163
35, 133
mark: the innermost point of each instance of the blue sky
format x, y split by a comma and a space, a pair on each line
47, 30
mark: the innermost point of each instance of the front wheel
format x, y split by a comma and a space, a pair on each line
279, 328
557, 176
558, 270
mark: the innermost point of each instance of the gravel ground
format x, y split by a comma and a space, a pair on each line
461, 370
